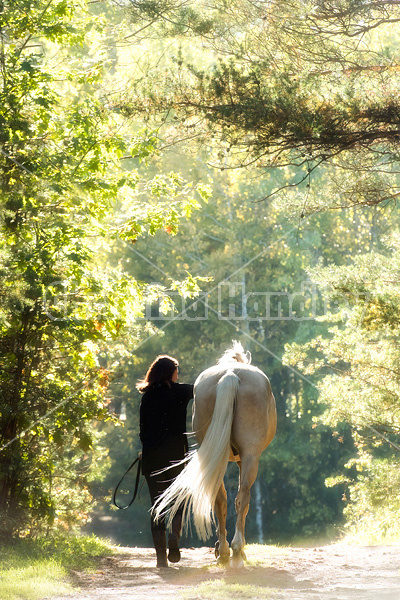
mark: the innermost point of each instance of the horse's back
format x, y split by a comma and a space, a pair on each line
254, 421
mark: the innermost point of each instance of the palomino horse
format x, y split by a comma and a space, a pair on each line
234, 419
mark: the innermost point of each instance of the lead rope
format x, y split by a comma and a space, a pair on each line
139, 461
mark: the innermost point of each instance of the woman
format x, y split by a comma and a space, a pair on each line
162, 433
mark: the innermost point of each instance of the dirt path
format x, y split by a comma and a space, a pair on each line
335, 572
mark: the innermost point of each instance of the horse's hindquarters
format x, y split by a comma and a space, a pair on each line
254, 422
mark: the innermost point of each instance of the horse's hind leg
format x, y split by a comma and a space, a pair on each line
222, 551
248, 472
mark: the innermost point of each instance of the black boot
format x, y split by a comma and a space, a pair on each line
160, 545
174, 554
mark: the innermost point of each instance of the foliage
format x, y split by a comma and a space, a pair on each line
301, 84
30, 569
375, 501
63, 181
359, 379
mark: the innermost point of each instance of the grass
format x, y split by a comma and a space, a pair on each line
34, 569
260, 555
374, 532
220, 590
248, 584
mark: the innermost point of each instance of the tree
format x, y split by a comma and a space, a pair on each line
359, 381
66, 317
294, 84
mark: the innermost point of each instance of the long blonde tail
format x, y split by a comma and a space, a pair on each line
197, 485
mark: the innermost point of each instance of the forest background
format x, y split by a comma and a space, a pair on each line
175, 175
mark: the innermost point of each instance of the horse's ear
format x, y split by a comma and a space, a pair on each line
248, 356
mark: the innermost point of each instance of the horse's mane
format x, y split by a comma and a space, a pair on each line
236, 353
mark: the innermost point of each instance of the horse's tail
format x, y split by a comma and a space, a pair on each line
197, 485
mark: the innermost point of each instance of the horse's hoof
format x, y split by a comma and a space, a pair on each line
238, 558
237, 562
222, 559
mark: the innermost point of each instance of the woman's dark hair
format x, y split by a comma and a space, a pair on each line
160, 371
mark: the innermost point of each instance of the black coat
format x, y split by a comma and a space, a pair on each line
163, 425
